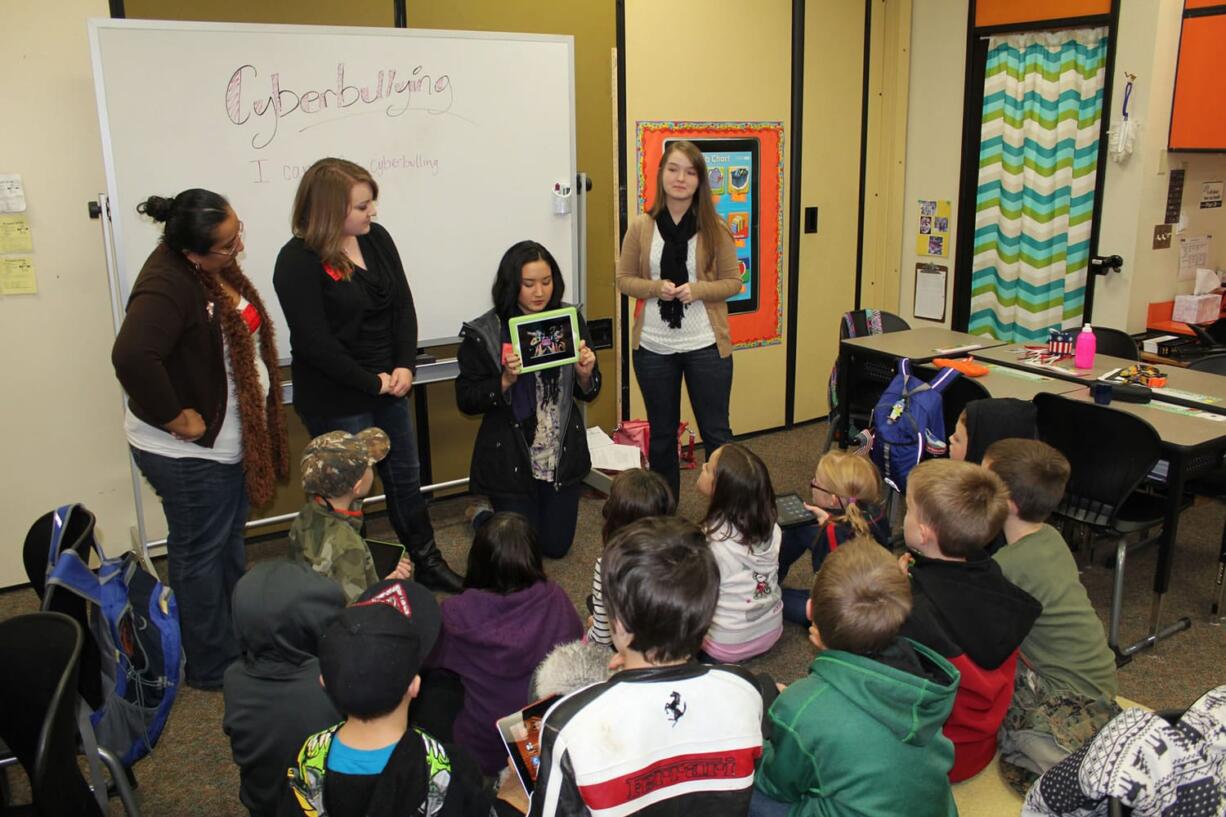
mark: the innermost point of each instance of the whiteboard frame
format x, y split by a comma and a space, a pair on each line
97, 24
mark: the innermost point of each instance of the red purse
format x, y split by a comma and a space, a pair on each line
638, 434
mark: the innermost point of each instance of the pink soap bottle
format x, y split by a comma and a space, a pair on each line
1087, 345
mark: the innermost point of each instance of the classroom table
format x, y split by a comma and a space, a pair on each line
920, 345
1185, 387
1193, 441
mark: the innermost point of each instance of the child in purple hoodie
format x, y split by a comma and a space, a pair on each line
498, 630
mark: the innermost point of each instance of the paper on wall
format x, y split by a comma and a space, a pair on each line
15, 233
12, 194
1207, 281
1193, 253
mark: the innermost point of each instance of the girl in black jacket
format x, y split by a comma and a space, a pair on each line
531, 452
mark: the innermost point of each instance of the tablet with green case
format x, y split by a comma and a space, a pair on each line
545, 340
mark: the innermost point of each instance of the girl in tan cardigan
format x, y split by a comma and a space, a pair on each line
676, 256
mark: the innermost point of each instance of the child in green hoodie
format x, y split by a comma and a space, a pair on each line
861, 734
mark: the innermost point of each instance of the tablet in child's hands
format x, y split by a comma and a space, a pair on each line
792, 512
521, 732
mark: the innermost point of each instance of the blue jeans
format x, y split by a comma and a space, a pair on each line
708, 379
205, 503
400, 470
796, 541
552, 513
762, 806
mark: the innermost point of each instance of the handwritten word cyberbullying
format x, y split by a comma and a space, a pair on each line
245, 95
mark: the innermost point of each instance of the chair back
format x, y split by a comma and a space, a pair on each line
858, 318
1110, 452
1115, 342
1214, 364
77, 535
956, 395
40, 654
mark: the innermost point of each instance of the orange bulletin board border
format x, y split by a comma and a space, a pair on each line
764, 326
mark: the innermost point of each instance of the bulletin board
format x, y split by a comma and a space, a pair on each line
747, 185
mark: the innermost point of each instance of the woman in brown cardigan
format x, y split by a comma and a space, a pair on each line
204, 420
676, 256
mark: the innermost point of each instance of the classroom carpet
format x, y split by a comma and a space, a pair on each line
191, 772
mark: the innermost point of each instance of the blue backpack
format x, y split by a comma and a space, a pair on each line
134, 621
908, 424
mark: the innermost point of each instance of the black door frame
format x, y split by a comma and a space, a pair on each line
972, 116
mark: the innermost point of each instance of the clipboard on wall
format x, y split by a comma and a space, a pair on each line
930, 291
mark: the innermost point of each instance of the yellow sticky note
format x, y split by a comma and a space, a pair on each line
17, 276
15, 233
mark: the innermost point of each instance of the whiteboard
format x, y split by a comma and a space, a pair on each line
466, 134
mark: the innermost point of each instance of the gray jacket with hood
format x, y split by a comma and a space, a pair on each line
273, 698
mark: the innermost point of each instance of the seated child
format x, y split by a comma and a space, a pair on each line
740, 527
337, 475
963, 606
1065, 687
372, 763
634, 494
498, 629
664, 734
272, 696
861, 733
847, 496
983, 422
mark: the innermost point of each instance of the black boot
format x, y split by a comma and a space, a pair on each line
429, 566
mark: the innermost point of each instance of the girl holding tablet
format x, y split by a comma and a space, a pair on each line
531, 451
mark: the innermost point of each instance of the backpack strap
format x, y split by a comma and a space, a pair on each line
89, 748
59, 524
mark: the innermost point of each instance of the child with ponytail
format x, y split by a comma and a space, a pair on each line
847, 501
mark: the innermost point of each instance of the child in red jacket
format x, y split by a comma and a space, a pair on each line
964, 607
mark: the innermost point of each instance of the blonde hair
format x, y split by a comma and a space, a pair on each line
708, 221
321, 207
965, 504
854, 480
860, 598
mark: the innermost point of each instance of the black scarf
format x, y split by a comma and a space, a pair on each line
672, 260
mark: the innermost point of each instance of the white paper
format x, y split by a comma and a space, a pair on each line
930, 294
1193, 253
611, 456
1207, 281
12, 194
1151, 344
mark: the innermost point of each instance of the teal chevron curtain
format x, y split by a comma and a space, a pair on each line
1042, 111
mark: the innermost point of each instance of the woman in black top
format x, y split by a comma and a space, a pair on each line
531, 451
353, 337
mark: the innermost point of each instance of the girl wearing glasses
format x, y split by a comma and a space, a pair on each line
353, 339
847, 501
204, 421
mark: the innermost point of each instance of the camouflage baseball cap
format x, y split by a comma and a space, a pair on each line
332, 463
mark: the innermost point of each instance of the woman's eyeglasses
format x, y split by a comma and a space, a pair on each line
232, 249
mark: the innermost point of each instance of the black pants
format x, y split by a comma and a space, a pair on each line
552, 513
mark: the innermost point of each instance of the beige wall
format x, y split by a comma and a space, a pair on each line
830, 180
1135, 191
679, 67
60, 405
934, 136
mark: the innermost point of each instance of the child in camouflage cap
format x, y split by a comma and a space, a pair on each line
337, 475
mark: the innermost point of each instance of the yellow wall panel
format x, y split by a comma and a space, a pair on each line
299, 12
694, 60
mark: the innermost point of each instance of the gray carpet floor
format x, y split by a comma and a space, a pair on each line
191, 771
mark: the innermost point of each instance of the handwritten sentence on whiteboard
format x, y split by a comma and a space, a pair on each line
266, 170
399, 93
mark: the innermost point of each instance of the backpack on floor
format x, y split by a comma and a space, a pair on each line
908, 424
134, 620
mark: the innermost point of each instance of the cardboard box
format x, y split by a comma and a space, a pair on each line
1197, 308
